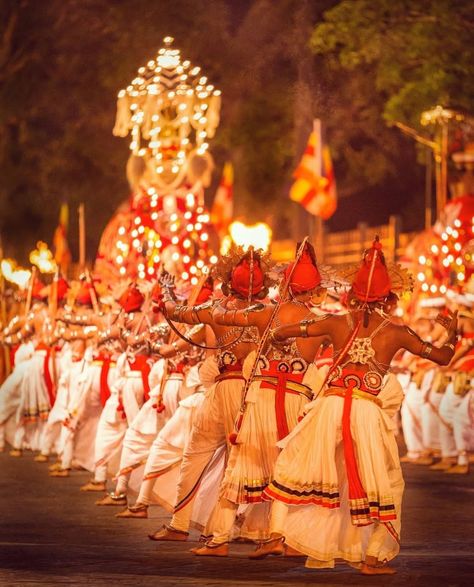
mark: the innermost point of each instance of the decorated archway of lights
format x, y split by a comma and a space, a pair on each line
170, 112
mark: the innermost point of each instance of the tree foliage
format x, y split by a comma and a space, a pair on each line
279, 64
419, 52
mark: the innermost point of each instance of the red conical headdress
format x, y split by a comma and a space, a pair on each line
372, 281
305, 276
206, 291
132, 299
247, 279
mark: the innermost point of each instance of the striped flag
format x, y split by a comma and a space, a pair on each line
223, 207
62, 254
315, 184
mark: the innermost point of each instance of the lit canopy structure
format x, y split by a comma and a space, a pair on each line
169, 110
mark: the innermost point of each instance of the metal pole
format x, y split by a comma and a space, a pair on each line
444, 164
428, 189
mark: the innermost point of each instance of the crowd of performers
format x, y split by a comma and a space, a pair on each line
255, 405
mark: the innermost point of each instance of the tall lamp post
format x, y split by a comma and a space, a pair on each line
439, 117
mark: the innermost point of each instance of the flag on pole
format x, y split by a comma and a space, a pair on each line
223, 207
315, 184
62, 254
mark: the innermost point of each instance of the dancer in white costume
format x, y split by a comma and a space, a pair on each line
127, 392
160, 478
457, 440
50, 437
463, 427
339, 469
10, 392
38, 385
281, 388
411, 411
244, 280
411, 379
166, 380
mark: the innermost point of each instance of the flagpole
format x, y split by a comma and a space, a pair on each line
318, 221
82, 237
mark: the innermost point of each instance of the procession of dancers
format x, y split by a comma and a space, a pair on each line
266, 403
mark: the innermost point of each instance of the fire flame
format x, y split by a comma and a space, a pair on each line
14, 274
257, 235
43, 258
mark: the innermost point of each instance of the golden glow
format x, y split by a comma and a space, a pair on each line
14, 274
440, 115
169, 110
43, 258
257, 235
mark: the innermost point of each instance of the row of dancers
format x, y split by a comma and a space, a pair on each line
249, 406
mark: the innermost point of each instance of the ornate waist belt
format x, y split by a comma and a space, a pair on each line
229, 375
290, 386
356, 394
100, 362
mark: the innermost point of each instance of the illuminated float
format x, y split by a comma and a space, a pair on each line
169, 111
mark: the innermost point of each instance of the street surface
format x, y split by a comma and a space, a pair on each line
52, 534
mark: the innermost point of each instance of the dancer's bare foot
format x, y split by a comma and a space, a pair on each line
41, 458
134, 511
94, 486
372, 566
443, 464
421, 460
112, 499
54, 467
271, 547
458, 470
293, 553
59, 473
210, 549
16, 452
167, 533
376, 570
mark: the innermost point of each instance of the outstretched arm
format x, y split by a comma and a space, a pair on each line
314, 326
196, 334
247, 317
441, 355
186, 314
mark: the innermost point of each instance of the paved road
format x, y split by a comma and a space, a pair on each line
51, 534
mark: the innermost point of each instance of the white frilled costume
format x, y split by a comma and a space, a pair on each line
38, 394
123, 404
161, 475
311, 475
339, 471
10, 392
161, 403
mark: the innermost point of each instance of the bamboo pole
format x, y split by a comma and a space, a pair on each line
29, 295
82, 237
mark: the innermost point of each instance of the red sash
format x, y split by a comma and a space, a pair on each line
47, 373
281, 390
140, 363
104, 376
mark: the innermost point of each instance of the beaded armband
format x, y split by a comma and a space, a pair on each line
254, 308
304, 329
426, 350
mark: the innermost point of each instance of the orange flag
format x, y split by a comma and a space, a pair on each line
223, 207
315, 184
